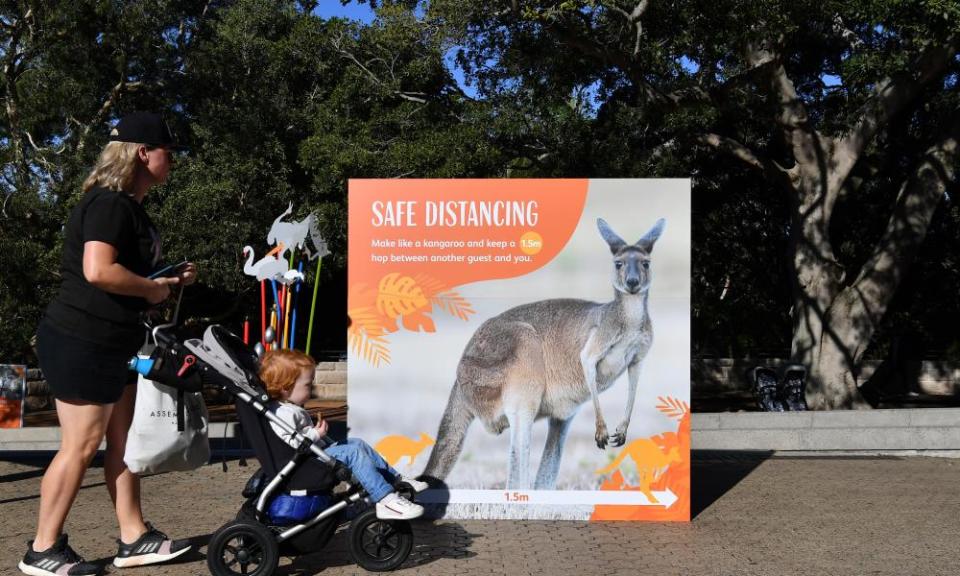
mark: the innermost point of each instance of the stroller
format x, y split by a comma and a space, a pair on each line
290, 506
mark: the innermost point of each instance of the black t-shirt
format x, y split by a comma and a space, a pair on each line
83, 310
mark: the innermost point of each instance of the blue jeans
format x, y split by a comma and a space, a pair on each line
369, 468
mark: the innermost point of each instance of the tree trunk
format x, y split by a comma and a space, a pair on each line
835, 320
831, 347
824, 339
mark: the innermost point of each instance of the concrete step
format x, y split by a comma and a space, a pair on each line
933, 429
920, 430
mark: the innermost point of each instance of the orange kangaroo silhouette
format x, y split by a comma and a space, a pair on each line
394, 448
651, 463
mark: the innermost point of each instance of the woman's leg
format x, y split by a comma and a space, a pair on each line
124, 485
82, 427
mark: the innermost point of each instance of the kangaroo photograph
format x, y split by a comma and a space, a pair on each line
557, 371
545, 359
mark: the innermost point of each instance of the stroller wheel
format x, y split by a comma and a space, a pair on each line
379, 545
242, 547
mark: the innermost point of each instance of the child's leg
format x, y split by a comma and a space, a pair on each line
389, 474
364, 468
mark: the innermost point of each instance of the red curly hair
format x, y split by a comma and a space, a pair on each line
280, 369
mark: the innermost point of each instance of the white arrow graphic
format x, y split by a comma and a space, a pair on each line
665, 498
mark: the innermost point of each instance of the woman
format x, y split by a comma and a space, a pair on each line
87, 335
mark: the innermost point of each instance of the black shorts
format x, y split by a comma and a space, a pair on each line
80, 370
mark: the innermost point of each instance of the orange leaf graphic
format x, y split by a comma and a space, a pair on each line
454, 304
417, 321
366, 336
673, 408
429, 285
399, 295
398, 299
449, 301
366, 320
373, 350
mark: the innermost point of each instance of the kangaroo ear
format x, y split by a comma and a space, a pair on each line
646, 243
615, 242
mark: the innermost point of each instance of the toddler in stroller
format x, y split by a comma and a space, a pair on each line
291, 507
288, 377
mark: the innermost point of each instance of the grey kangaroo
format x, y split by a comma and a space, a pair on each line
544, 360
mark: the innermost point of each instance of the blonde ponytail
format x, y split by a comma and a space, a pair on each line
115, 169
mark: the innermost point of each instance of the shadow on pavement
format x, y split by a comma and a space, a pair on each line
432, 541
25, 475
714, 472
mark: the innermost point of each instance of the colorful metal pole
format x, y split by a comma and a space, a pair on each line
263, 313
273, 319
288, 294
296, 304
282, 315
276, 308
313, 305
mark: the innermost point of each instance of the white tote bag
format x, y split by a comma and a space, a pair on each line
169, 430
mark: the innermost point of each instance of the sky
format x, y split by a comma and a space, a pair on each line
362, 12
352, 11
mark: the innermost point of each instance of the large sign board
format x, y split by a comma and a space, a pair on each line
525, 343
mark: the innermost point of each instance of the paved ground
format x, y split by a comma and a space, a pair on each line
754, 515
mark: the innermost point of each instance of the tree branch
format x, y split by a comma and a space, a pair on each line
410, 96
13, 59
793, 118
101, 115
743, 153
8, 194
871, 293
712, 94
407, 96
890, 96
633, 17
840, 29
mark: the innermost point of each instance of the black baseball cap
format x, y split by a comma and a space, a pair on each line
144, 128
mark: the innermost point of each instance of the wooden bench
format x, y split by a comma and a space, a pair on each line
332, 411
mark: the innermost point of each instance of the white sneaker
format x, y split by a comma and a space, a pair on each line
395, 507
417, 485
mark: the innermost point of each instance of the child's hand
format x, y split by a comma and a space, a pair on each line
322, 427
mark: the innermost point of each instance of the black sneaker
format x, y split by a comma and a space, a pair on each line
57, 560
792, 390
152, 547
765, 389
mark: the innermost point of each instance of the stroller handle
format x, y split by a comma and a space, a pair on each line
158, 332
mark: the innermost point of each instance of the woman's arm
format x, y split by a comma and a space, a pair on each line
101, 269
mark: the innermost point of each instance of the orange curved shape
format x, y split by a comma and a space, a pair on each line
557, 203
406, 260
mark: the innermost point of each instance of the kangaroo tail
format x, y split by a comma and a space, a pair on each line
613, 465
450, 436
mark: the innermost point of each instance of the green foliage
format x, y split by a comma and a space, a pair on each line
678, 71
279, 106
